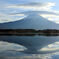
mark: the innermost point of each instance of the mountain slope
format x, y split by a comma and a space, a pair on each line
32, 21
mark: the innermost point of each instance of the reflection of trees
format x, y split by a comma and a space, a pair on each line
50, 31
29, 32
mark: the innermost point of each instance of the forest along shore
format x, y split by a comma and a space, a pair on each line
30, 32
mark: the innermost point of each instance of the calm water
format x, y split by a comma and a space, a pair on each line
17, 47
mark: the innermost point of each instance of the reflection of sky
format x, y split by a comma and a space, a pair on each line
51, 47
8, 7
8, 50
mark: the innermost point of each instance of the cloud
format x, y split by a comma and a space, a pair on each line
51, 17
33, 6
17, 14
10, 18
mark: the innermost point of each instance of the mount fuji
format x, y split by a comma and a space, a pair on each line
32, 21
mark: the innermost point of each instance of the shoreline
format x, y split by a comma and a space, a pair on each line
28, 32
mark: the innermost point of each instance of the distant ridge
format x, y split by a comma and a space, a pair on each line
32, 21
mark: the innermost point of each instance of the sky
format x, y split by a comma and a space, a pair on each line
9, 8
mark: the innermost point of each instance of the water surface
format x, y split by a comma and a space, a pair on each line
29, 47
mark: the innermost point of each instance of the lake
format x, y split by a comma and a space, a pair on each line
21, 47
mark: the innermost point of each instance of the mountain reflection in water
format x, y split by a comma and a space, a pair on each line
27, 46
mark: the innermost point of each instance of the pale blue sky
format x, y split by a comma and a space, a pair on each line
13, 6
28, 1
